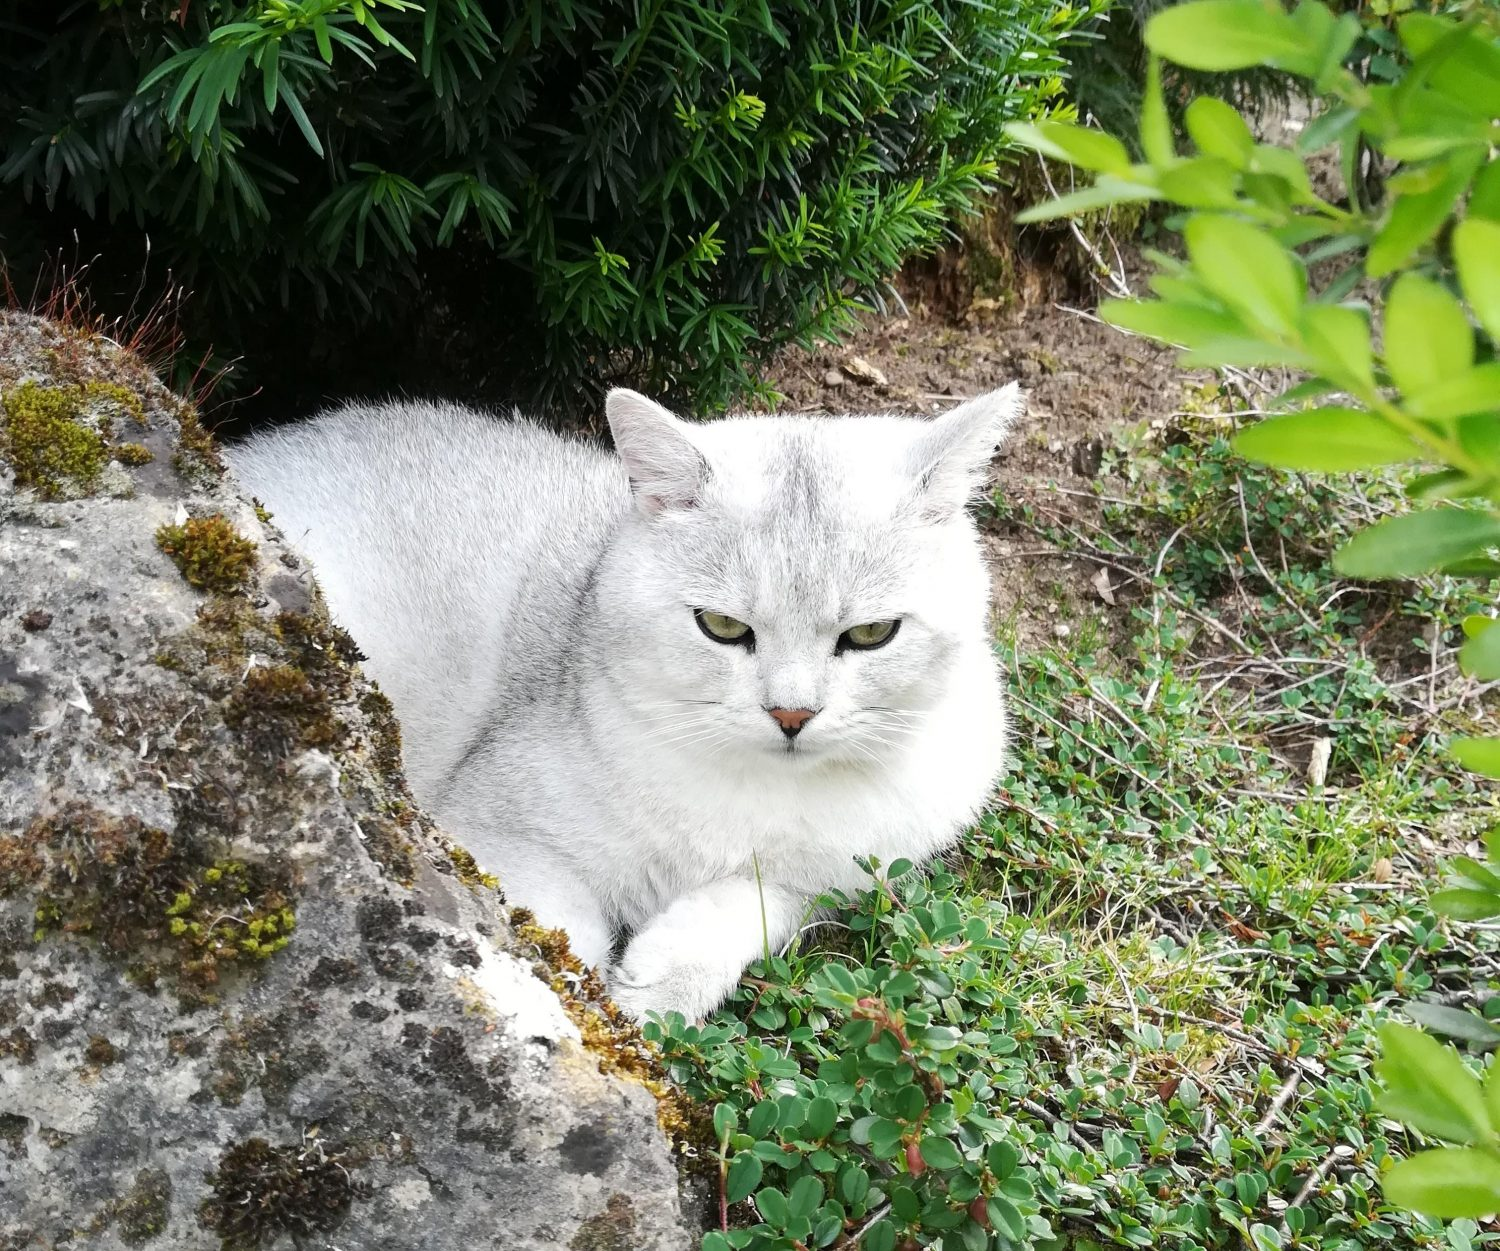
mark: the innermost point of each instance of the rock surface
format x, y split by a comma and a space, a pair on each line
249, 997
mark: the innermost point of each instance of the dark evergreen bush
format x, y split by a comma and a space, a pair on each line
552, 192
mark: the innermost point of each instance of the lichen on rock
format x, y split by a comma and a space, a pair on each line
249, 995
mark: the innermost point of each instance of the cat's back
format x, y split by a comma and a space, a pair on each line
443, 538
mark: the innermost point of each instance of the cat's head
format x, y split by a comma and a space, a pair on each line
775, 567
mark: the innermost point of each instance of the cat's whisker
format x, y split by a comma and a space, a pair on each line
900, 718
865, 751
681, 740
680, 703
678, 718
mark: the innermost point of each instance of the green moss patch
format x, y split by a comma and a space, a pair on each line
147, 898
469, 872
132, 454
51, 448
209, 551
114, 395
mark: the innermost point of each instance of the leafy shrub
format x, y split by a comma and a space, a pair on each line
1262, 284
575, 192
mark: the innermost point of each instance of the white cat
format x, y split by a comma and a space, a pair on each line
669, 695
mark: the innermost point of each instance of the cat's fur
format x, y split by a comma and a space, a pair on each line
527, 601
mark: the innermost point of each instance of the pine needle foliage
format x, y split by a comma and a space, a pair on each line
664, 191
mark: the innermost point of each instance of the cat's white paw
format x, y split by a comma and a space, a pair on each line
656, 974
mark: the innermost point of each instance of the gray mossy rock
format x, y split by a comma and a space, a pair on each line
248, 996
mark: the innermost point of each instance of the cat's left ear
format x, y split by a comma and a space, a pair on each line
665, 466
950, 457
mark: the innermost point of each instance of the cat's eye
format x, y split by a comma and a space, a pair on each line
724, 629
868, 636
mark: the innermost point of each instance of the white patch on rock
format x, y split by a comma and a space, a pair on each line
411, 1194
525, 1008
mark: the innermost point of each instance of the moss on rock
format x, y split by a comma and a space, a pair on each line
137, 890
52, 449
261, 1191
142, 1214
211, 554
611, 1037
132, 454
469, 872
117, 396
277, 709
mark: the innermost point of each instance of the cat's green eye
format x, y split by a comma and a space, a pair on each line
869, 635
723, 629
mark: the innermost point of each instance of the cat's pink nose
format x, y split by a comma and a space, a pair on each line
791, 720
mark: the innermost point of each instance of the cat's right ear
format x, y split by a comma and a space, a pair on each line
665, 466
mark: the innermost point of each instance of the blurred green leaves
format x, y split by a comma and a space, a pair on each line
1414, 381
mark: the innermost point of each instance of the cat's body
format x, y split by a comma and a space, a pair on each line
535, 614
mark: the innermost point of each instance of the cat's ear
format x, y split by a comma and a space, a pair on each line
950, 457
665, 466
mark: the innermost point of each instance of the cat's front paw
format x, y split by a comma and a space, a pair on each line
656, 975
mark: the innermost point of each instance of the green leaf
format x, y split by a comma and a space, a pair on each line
1464, 65
822, 1115
1339, 340
1245, 352
1428, 1087
1443, 484
1455, 1023
1481, 656
1479, 755
1405, 546
1428, 340
1474, 390
940, 1152
1078, 145
1156, 126
299, 115
1416, 217
1327, 128
1169, 321
1464, 903
1245, 267
1328, 440
762, 1118
1449, 1183
1265, 1237
881, 1236
773, 1207
1467, 867
1107, 190
1226, 35
1204, 182
805, 1198
744, 1176
1476, 253
1219, 131
1484, 200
